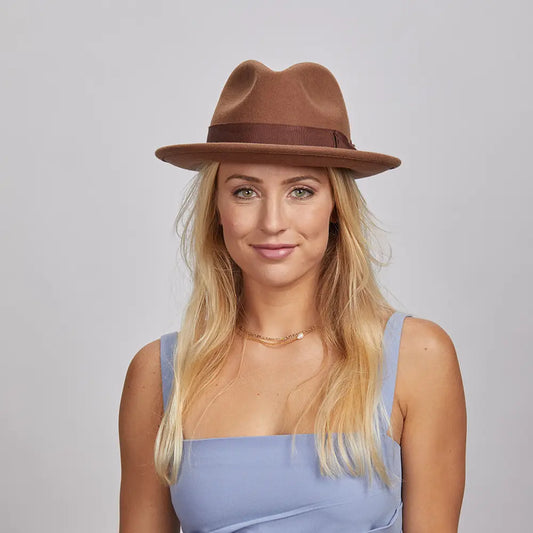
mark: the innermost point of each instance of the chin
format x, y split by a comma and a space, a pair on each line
273, 276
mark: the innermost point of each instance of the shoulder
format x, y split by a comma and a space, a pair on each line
147, 358
145, 365
425, 337
428, 366
433, 438
142, 391
145, 502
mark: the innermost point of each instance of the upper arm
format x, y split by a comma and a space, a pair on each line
145, 503
433, 439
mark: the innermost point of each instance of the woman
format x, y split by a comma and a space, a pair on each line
294, 397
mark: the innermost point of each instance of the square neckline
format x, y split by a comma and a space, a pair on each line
243, 438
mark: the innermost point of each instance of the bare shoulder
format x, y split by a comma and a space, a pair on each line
145, 503
143, 377
142, 401
433, 440
427, 358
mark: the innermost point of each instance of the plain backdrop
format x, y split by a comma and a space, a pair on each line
90, 266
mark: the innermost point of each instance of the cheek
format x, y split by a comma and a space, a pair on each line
234, 219
234, 227
314, 222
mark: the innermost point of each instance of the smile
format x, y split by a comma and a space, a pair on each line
275, 253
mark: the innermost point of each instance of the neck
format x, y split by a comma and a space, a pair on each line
279, 311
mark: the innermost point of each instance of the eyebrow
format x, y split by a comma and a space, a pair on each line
253, 179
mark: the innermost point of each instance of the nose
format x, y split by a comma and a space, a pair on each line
273, 215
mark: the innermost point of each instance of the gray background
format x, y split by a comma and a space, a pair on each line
89, 90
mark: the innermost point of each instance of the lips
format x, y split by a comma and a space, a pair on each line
273, 246
275, 251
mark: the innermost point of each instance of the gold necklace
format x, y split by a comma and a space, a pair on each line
276, 341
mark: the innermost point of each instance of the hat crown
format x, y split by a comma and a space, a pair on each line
295, 116
304, 94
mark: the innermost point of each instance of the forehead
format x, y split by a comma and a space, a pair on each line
272, 172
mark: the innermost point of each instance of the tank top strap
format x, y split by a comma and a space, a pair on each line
391, 349
168, 345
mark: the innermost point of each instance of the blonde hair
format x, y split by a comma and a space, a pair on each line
352, 310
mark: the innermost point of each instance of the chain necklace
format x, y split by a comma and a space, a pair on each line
276, 341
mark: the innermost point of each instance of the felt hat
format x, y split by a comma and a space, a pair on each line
295, 116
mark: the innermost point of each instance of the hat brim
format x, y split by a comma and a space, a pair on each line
192, 156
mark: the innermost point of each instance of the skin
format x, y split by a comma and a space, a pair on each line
256, 208
279, 294
428, 418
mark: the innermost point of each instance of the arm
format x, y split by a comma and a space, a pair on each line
434, 432
145, 503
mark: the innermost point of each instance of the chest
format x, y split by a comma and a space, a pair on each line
261, 392
261, 395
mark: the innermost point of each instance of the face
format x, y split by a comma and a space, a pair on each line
261, 204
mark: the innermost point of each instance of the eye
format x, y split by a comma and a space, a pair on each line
237, 192
305, 189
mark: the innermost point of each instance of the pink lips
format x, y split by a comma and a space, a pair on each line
274, 251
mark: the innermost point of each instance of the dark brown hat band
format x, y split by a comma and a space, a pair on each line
248, 132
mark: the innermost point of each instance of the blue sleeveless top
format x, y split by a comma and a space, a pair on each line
255, 484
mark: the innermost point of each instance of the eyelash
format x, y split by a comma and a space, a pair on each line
295, 189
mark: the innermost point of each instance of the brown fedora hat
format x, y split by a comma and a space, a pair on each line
295, 116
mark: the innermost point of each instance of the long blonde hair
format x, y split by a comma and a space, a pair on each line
351, 307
